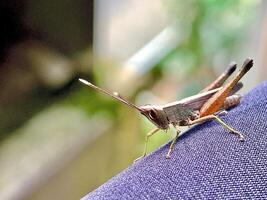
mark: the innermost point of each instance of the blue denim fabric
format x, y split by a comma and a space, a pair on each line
207, 162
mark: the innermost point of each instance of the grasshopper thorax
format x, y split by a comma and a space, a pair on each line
156, 115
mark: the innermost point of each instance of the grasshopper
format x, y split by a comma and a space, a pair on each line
204, 106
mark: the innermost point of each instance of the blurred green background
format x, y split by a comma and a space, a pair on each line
61, 140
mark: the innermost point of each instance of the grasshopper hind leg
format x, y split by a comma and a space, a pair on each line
241, 137
232, 101
222, 78
214, 117
229, 103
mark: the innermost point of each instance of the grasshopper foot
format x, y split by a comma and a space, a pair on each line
223, 112
241, 137
168, 156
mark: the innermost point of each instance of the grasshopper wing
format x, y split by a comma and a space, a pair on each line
194, 102
180, 110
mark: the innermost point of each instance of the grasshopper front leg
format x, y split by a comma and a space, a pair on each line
149, 134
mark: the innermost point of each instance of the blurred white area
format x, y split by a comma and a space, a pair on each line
137, 35
122, 27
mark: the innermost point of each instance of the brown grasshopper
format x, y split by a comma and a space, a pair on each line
205, 106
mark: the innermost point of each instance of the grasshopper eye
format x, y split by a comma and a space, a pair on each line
152, 114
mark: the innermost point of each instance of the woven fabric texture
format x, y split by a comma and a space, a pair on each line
207, 163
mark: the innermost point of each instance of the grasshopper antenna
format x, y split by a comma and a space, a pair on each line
115, 95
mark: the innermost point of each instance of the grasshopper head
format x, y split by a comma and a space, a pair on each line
156, 115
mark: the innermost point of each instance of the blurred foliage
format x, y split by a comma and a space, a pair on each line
217, 30
92, 103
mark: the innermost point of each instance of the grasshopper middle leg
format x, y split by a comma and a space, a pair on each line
173, 142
